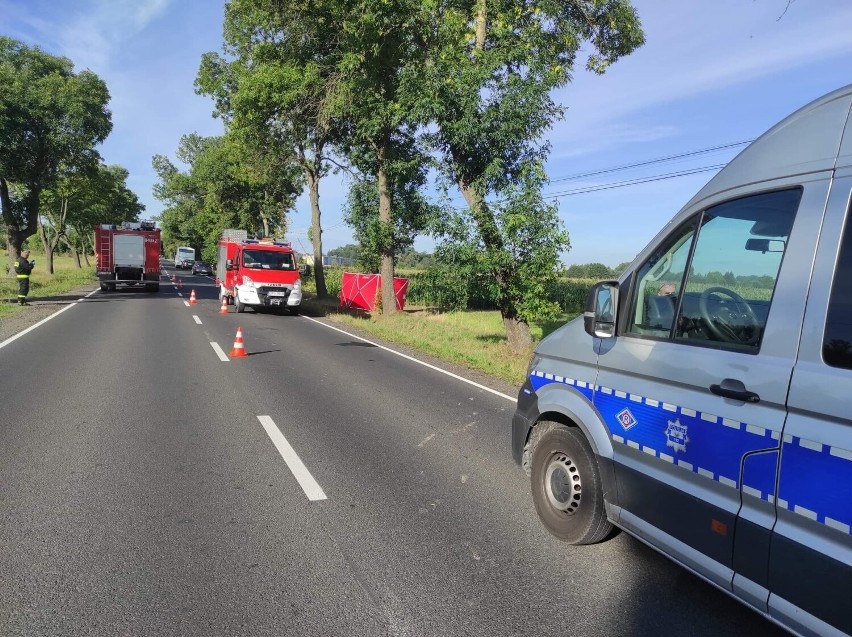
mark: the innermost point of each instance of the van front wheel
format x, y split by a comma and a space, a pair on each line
566, 485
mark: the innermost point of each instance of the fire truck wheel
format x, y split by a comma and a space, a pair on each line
294, 310
241, 307
104, 287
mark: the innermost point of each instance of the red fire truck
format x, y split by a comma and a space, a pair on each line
128, 253
257, 273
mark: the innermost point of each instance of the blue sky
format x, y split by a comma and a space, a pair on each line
711, 73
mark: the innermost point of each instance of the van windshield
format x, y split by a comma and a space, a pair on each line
268, 260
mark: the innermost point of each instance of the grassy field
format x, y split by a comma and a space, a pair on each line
66, 278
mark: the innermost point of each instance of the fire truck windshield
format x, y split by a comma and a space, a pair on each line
268, 260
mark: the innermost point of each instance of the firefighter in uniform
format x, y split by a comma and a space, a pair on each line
23, 267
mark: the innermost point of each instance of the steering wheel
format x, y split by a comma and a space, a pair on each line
722, 329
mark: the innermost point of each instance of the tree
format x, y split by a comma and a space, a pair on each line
78, 201
274, 84
409, 214
486, 86
229, 184
319, 74
49, 117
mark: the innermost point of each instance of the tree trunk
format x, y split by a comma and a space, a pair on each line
74, 251
518, 333
48, 246
312, 168
15, 235
84, 241
386, 251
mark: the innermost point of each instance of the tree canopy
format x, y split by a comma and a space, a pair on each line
50, 118
228, 184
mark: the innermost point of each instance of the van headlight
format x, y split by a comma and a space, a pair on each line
247, 281
297, 287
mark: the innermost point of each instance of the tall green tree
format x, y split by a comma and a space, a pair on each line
227, 185
49, 117
279, 68
322, 74
410, 212
81, 199
486, 89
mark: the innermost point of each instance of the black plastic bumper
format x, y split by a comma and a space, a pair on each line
526, 415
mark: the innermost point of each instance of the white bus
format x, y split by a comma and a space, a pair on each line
184, 254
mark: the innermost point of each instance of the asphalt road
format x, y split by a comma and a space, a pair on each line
141, 492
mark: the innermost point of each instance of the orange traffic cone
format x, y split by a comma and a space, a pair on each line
224, 308
192, 300
239, 351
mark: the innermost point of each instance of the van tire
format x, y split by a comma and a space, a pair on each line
241, 307
562, 457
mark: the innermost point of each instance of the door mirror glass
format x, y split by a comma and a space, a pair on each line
229, 264
599, 317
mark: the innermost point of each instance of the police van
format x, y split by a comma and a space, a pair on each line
703, 402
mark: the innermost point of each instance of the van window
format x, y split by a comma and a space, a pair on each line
654, 300
837, 340
720, 288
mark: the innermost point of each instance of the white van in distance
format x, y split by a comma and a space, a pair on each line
702, 403
182, 254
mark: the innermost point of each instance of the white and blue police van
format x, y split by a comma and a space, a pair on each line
703, 402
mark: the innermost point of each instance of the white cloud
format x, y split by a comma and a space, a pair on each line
91, 32
696, 48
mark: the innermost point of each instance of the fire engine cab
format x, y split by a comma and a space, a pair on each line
128, 254
257, 273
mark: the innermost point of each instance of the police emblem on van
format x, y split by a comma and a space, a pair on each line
676, 437
626, 419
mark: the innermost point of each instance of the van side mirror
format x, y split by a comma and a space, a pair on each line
229, 264
600, 315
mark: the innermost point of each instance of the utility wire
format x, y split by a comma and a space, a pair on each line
648, 162
632, 182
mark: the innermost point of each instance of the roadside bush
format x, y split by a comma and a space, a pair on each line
333, 279
570, 294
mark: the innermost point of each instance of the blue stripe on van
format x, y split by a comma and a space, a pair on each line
816, 482
714, 447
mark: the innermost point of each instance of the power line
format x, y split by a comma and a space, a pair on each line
632, 182
649, 162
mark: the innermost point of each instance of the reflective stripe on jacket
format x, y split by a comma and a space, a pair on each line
23, 268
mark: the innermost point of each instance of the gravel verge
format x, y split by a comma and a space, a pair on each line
39, 309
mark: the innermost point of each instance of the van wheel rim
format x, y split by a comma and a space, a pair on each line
562, 484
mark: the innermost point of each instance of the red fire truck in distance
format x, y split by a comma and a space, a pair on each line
257, 273
128, 254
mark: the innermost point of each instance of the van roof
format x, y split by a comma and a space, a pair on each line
810, 140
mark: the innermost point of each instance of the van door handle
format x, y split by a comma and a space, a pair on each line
732, 388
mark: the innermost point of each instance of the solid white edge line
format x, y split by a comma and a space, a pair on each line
44, 320
310, 486
196, 319
415, 360
186, 303
220, 352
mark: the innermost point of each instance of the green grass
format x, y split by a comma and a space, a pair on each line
474, 339
66, 277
